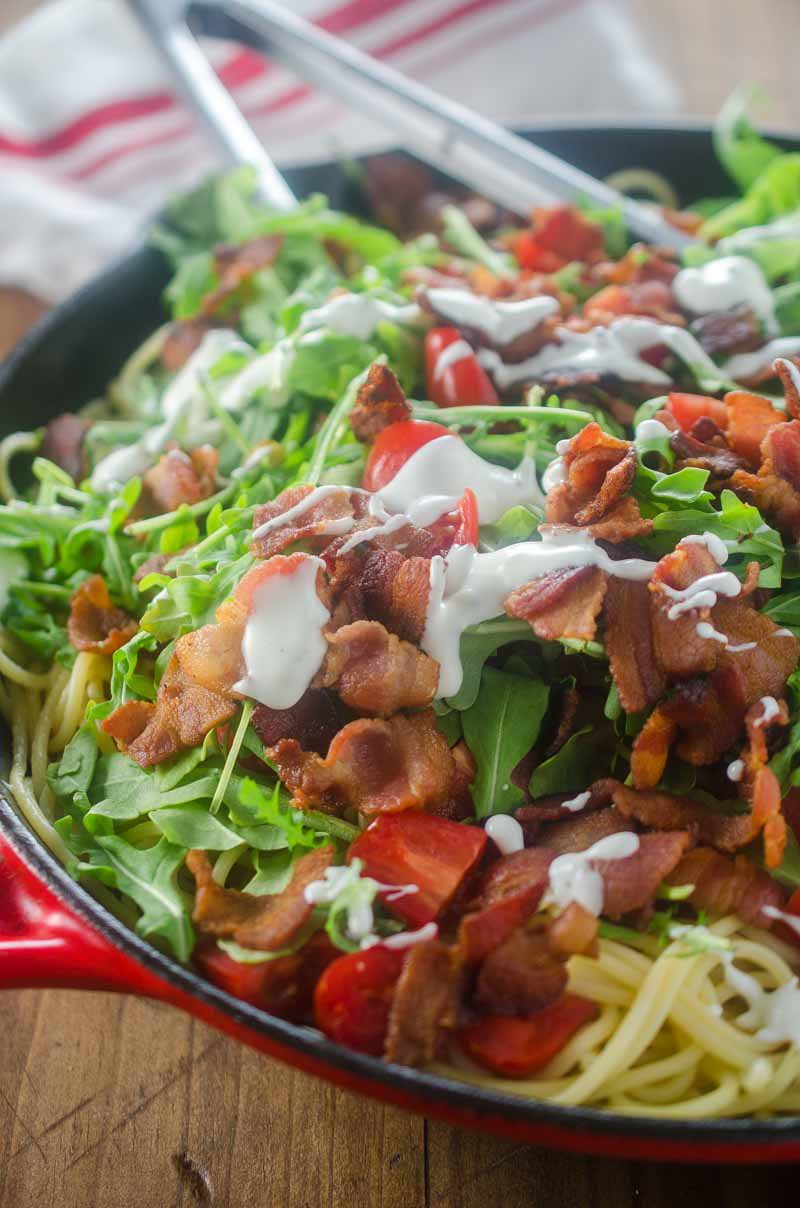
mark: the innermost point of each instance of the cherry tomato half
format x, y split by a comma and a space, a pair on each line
462, 382
353, 998
516, 1047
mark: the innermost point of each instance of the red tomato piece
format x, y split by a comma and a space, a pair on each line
461, 383
565, 231
689, 408
283, 986
516, 1047
415, 848
393, 447
459, 527
531, 255
354, 996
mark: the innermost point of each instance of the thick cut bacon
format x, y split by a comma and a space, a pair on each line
236, 263
394, 590
750, 418
679, 650
63, 443
574, 932
425, 1004
179, 477
723, 885
523, 871
782, 444
599, 472
265, 922
581, 831
313, 722
183, 714
561, 604
375, 672
724, 332
331, 515
371, 766
520, 976
651, 747
551, 809
481, 931
629, 642
663, 811
631, 883
380, 401
212, 655
693, 449
95, 624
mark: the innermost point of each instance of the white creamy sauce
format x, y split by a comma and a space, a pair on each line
785, 227
283, 645
703, 593
506, 833
746, 364
574, 878
333, 528
770, 709
468, 587
608, 350
735, 770
724, 284
783, 633
773, 1015
346, 878
741, 647
704, 629
186, 384
500, 322
459, 350
714, 544
404, 939
447, 466
791, 920
269, 373
358, 315
794, 372
651, 429
554, 475
576, 803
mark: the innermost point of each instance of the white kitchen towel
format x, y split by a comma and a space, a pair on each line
93, 139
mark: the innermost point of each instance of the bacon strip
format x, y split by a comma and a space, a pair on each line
95, 624
561, 604
265, 922
63, 443
371, 766
394, 590
581, 831
376, 673
723, 885
599, 472
313, 525
236, 263
425, 1005
314, 721
631, 883
629, 643
663, 811
521, 976
179, 478
380, 402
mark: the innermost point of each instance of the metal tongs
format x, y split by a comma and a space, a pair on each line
443, 133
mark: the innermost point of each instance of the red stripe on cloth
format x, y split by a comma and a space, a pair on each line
245, 65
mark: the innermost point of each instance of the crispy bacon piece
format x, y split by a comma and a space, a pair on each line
183, 338
693, 449
481, 931
561, 604
459, 804
723, 885
782, 444
629, 642
551, 809
651, 748
95, 624
236, 263
425, 1004
265, 922
325, 518
789, 384
183, 714
750, 418
372, 766
375, 672
156, 564
380, 401
395, 591
599, 473
212, 655
663, 811
631, 883
762, 784
521, 872
573, 932
520, 976
313, 722
179, 477
679, 650
62, 443
724, 332
580, 831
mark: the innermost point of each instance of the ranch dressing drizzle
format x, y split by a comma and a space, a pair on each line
791, 920
770, 709
283, 645
724, 284
358, 315
333, 528
785, 227
506, 833
735, 770
794, 372
573, 877
714, 544
773, 1015
703, 593
346, 878
459, 350
605, 350
269, 372
576, 803
746, 364
468, 587
554, 475
499, 322
651, 429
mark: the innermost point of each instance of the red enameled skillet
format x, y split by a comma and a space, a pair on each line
53, 933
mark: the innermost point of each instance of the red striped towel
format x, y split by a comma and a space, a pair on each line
92, 138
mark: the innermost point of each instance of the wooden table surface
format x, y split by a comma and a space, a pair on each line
110, 1102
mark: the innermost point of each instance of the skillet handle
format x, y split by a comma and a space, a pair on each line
44, 943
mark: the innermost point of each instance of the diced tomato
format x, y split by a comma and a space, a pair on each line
460, 383
565, 231
517, 1047
614, 300
750, 417
531, 255
393, 447
415, 848
689, 408
283, 986
353, 998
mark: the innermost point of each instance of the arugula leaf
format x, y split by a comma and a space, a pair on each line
740, 148
500, 728
74, 770
461, 235
273, 871
477, 644
148, 877
775, 192
574, 766
194, 826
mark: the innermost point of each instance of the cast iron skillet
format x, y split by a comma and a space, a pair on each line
53, 933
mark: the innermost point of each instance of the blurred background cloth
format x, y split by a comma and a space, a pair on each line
92, 138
